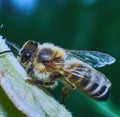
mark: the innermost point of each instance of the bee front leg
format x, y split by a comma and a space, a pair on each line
66, 90
40, 83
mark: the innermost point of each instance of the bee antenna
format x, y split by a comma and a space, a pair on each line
9, 51
14, 45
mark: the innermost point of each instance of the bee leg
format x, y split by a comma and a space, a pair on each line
40, 83
66, 90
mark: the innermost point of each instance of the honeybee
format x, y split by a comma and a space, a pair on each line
46, 64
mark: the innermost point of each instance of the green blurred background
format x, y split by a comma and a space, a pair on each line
72, 24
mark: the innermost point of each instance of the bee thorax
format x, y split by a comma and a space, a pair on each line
41, 75
40, 72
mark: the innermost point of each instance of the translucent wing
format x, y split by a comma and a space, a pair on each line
94, 58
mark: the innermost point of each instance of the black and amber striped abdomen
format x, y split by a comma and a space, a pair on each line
92, 83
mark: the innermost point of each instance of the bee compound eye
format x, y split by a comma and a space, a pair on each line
28, 50
25, 57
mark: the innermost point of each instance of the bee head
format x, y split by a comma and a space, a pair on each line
27, 51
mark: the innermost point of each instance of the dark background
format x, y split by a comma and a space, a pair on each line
72, 24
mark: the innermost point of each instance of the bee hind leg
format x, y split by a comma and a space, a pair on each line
66, 90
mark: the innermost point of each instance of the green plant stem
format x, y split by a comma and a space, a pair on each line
2, 112
106, 109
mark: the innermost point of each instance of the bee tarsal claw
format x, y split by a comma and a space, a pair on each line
30, 81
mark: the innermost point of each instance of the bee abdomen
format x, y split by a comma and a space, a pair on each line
97, 91
102, 94
96, 86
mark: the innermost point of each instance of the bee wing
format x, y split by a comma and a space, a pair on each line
94, 58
